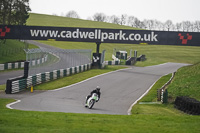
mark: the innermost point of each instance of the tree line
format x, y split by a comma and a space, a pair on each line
14, 12
185, 26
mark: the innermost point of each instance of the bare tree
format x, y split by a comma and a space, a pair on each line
178, 26
150, 24
134, 22
142, 25
168, 25
158, 25
114, 19
197, 26
137, 23
145, 24
186, 25
192, 27
72, 14
101, 17
131, 21
123, 19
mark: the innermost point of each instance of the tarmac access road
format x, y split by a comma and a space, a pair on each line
119, 90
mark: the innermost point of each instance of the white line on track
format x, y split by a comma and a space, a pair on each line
130, 108
10, 104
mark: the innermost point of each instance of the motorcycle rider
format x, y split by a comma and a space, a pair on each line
97, 91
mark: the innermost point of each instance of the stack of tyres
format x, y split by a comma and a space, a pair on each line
188, 105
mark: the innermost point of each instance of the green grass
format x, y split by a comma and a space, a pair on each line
2, 87
12, 51
186, 82
75, 78
144, 119
49, 20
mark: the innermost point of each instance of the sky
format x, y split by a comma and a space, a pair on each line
162, 10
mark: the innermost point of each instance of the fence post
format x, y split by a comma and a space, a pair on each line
165, 96
8, 87
26, 68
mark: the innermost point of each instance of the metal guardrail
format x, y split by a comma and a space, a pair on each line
162, 93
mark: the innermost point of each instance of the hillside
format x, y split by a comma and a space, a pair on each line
50, 20
156, 54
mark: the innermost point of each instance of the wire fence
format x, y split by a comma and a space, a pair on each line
10, 51
47, 60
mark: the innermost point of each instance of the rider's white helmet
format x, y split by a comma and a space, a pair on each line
98, 88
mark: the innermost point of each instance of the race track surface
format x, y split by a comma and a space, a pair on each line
120, 89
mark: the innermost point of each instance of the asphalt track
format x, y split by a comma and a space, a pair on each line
120, 89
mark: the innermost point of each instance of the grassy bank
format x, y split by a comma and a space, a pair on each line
186, 82
50, 20
13, 50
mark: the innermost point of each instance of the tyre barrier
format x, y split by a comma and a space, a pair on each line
141, 58
19, 84
112, 62
131, 61
187, 105
14, 65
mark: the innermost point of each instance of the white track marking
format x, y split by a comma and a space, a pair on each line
130, 108
10, 104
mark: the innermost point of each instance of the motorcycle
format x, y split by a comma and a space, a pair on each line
90, 102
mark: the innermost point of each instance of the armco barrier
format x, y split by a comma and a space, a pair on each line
21, 83
162, 93
187, 105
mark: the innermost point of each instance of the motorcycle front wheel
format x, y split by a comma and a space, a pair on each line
91, 103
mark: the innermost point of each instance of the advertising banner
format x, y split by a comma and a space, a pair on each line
99, 35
